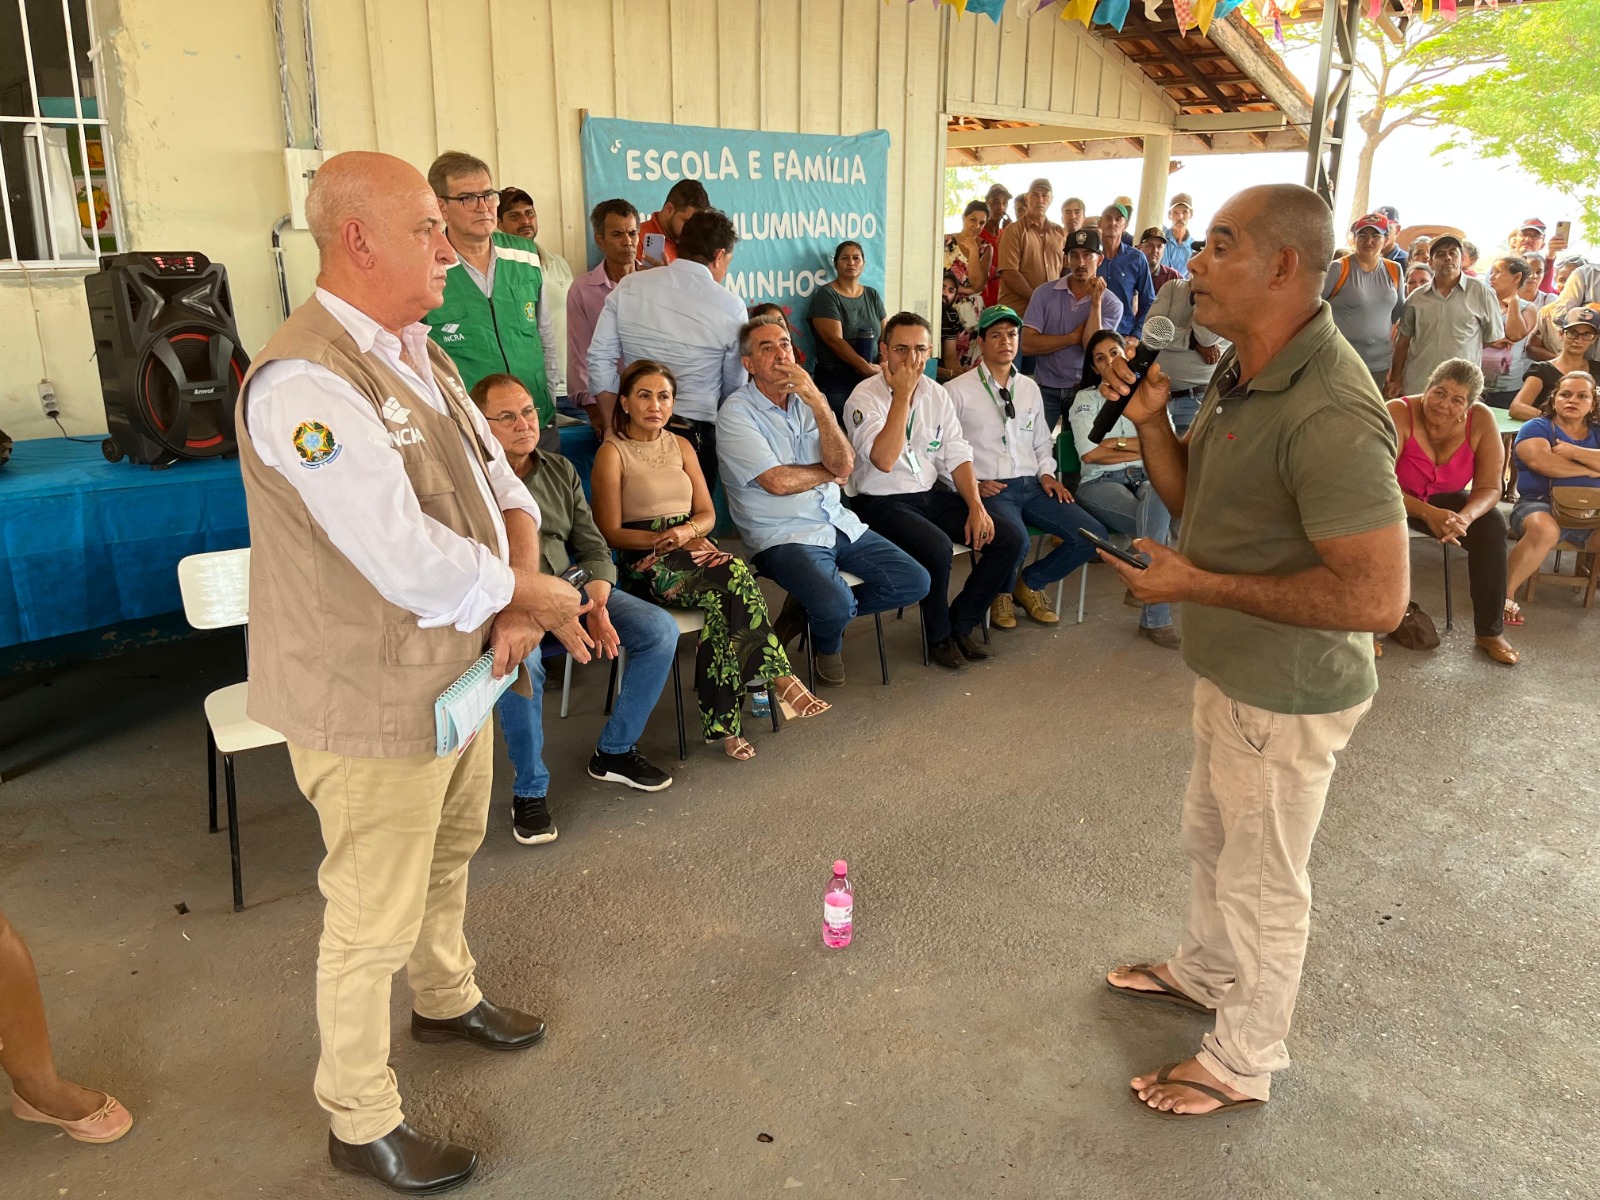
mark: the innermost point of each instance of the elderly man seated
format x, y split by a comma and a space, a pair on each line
568, 535
1013, 453
783, 457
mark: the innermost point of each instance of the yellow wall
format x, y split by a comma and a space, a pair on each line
195, 106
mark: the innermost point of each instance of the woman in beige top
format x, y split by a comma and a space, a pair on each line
651, 503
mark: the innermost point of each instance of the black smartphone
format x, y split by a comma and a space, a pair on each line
1099, 543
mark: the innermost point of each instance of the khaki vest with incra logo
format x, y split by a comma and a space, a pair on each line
333, 665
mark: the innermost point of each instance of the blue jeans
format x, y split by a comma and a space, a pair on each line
650, 636
1024, 503
890, 578
1055, 400
1183, 406
1127, 502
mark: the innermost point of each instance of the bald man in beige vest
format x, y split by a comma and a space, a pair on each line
391, 546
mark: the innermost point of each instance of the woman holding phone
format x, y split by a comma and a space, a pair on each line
652, 505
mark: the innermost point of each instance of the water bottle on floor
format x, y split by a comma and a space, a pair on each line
838, 906
760, 700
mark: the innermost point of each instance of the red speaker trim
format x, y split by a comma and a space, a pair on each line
144, 392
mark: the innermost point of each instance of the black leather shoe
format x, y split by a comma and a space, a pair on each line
946, 655
970, 650
407, 1161
488, 1024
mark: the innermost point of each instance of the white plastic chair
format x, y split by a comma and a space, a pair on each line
216, 595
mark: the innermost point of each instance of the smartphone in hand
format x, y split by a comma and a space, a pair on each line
655, 246
1099, 543
1564, 230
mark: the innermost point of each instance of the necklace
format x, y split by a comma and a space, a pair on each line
657, 453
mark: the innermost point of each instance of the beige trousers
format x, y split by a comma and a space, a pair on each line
399, 833
1254, 801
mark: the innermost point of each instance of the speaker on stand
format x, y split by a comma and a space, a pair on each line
169, 357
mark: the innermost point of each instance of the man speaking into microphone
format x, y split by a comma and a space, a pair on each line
1292, 554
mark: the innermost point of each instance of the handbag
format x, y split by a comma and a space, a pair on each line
1416, 630
1576, 507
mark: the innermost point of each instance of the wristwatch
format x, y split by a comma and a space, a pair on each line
1122, 443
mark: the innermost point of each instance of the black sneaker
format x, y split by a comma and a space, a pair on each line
530, 820
631, 768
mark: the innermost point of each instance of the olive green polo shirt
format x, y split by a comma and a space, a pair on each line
1304, 452
567, 532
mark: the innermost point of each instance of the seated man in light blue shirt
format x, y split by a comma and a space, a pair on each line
680, 315
783, 457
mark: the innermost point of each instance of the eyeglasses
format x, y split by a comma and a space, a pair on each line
511, 418
489, 199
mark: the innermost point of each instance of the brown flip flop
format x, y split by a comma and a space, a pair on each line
1167, 995
1227, 1103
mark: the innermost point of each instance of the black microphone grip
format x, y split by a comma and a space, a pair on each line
1111, 411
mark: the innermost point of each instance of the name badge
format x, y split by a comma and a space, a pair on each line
913, 462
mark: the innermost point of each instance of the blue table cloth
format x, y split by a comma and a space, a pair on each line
86, 543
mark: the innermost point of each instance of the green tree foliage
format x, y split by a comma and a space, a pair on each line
962, 185
1537, 106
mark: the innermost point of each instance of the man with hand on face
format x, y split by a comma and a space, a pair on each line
568, 537
1062, 317
1292, 555
371, 594
1456, 317
907, 436
1126, 272
783, 458
495, 315
1013, 454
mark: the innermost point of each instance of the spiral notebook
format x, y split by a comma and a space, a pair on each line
461, 711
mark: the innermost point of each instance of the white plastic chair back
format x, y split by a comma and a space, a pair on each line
216, 588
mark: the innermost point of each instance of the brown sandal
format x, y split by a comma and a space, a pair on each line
1167, 995
1226, 1103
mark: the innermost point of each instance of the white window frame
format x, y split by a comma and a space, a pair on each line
77, 125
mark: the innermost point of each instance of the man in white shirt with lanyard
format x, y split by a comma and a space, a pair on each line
391, 545
1013, 455
907, 438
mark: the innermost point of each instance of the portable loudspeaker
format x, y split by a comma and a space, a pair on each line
170, 363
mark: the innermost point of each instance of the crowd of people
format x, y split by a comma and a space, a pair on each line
404, 539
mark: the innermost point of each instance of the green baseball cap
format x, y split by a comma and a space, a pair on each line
996, 313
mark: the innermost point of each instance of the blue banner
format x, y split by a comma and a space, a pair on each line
792, 197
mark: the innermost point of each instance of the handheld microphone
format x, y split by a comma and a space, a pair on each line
1158, 335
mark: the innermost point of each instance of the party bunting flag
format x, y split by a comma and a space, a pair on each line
1078, 10
1112, 12
1224, 7
1183, 11
1448, 8
1151, 8
1205, 12
987, 8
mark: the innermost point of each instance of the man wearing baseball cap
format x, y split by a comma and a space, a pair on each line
1455, 317
1062, 316
1529, 238
1153, 244
1179, 245
1367, 294
1003, 418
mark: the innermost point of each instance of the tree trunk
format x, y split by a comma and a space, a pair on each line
1360, 194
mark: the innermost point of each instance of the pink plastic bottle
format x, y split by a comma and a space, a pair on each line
838, 905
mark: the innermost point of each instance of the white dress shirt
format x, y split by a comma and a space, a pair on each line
363, 499
680, 316
1002, 448
935, 445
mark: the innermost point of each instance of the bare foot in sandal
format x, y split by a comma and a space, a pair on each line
1155, 982
1187, 1089
738, 749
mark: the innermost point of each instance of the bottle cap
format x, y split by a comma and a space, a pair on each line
840, 866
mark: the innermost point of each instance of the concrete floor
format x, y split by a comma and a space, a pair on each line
1012, 832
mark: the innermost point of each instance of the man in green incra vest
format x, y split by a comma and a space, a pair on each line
494, 317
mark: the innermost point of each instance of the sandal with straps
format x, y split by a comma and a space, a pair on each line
797, 702
738, 749
1167, 995
1225, 1103
1513, 613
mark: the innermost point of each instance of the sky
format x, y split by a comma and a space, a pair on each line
1486, 197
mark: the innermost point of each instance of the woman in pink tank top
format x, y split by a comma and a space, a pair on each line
1450, 468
